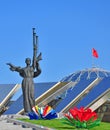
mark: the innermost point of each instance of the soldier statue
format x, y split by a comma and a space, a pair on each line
28, 73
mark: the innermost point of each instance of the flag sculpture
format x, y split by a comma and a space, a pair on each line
42, 113
82, 118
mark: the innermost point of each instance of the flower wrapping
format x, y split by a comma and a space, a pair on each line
42, 113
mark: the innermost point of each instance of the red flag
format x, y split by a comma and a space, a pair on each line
94, 53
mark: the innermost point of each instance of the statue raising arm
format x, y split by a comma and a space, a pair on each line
14, 68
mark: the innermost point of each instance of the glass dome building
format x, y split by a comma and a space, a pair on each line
87, 74
91, 89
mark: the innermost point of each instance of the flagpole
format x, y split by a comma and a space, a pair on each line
92, 59
92, 62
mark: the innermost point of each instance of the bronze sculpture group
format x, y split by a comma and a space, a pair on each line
28, 73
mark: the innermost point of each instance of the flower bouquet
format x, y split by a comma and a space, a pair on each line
82, 118
42, 113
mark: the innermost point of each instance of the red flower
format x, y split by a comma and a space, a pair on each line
83, 114
82, 118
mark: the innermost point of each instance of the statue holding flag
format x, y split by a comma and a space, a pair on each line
28, 73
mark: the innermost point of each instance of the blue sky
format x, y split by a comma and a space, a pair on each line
67, 30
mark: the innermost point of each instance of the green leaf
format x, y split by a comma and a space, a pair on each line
93, 124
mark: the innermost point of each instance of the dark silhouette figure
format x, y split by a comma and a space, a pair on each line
28, 73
